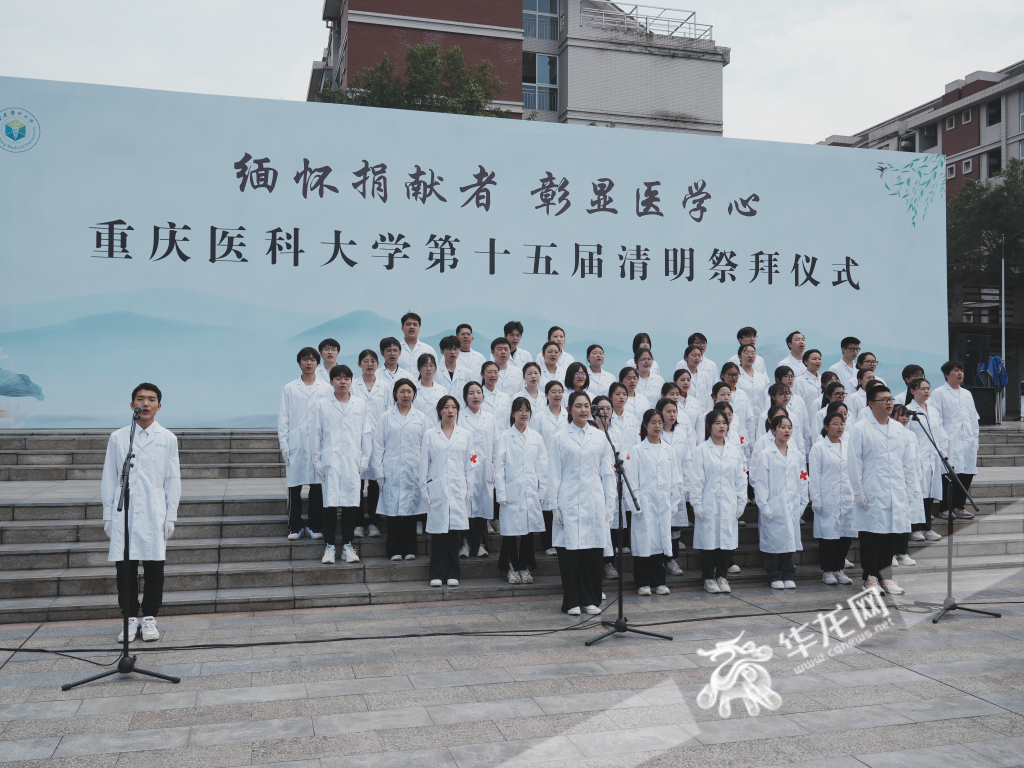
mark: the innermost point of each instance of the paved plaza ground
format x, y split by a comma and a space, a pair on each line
916, 694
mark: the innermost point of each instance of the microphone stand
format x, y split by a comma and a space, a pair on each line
950, 603
621, 624
126, 664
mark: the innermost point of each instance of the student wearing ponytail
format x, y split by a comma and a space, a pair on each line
832, 498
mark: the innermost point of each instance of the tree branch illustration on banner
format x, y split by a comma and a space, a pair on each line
916, 183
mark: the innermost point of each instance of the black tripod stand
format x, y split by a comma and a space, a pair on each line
950, 603
126, 663
621, 624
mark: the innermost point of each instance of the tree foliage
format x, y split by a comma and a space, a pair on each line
434, 81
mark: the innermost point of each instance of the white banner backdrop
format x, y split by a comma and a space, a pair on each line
199, 241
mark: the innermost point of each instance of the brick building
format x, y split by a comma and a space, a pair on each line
569, 61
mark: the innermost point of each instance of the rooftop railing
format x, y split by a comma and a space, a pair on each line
644, 20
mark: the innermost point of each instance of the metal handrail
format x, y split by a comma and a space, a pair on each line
646, 20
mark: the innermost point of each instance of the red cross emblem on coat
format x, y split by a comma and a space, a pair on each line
473, 458
803, 475
742, 438
627, 457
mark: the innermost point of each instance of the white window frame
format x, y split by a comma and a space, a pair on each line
968, 165
951, 171
965, 118
951, 122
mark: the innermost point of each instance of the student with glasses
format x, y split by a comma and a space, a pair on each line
846, 368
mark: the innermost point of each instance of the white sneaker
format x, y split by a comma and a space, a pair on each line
895, 562
603, 597
674, 569
294, 535
574, 611
842, 578
778, 585
410, 557
349, 553
329, 554
149, 630
626, 551
892, 587
789, 584
662, 590
593, 610
513, 576
847, 564
453, 582
710, 585
374, 532
396, 557
435, 582
315, 535
872, 583
682, 545
741, 523
133, 629
419, 529
307, 532
931, 536
829, 578
734, 568
917, 536
723, 584
551, 551
358, 533
481, 552
905, 560
644, 591
526, 577
464, 549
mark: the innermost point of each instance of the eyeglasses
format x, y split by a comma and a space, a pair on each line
840, 397
853, 349
580, 373
884, 400
429, 365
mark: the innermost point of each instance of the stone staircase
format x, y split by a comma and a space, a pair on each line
229, 553
1001, 446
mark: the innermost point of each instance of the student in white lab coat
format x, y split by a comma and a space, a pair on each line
718, 494
751, 380
452, 374
636, 403
582, 488
447, 461
857, 400
557, 335
901, 414
549, 422
299, 400
550, 370
411, 345
371, 388
428, 391
600, 379
510, 377
577, 379
707, 365
741, 405
676, 433
831, 500
762, 442
807, 386
653, 471
955, 406
482, 426
329, 349
642, 341
520, 484
835, 392
531, 388
846, 368
499, 405
671, 392
690, 409
341, 445
700, 384
797, 408
747, 337
649, 383
781, 495
395, 463
518, 356
795, 359
866, 361
929, 462
154, 480
624, 430
780, 395
468, 357
883, 478
909, 374
391, 371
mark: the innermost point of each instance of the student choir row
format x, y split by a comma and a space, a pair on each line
471, 441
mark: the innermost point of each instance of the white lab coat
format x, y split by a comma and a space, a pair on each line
445, 468
638, 405
154, 491
510, 381
545, 423
846, 374
700, 386
411, 355
426, 401
797, 365
599, 383
521, 480
322, 374
718, 488
759, 366
484, 431
396, 460
931, 469
378, 397
625, 432
536, 403
708, 367
455, 383
631, 363
682, 445
961, 423
743, 421
564, 360
519, 358
880, 460
499, 405
917, 508
650, 388
781, 493
855, 403
796, 415
390, 378
295, 424
808, 388
653, 471
830, 491
473, 361
756, 389
341, 442
581, 483
546, 376
690, 411
759, 445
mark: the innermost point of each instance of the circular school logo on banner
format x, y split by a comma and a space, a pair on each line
19, 129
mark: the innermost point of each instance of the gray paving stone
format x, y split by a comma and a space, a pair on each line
824, 721
142, 703
127, 741
523, 752
748, 728
356, 722
421, 758
831, 762
550, 671
591, 702
28, 749
634, 740
1006, 752
39, 710
649, 664
1011, 700
947, 708
356, 687
253, 694
445, 714
460, 677
230, 733
949, 756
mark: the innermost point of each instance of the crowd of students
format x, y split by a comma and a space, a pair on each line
461, 446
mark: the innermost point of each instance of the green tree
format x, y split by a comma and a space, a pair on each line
978, 217
434, 81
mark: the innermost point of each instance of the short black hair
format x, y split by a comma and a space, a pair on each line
341, 370
864, 355
809, 352
592, 347
149, 388
948, 367
783, 370
329, 343
626, 371
728, 366
667, 387
553, 383
444, 401
425, 358
746, 330
847, 341
307, 352
616, 386
532, 364
486, 364
570, 375
910, 370
554, 328
367, 353
549, 344
517, 404
513, 325
789, 339
402, 383
873, 391
863, 372
467, 385
679, 372
460, 326
639, 339
411, 316
449, 342
498, 342
695, 337
389, 341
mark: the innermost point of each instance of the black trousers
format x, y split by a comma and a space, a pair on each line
517, 551
153, 590
951, 493
927, 524
779, 566
368, 503
349, 516
581, 577
876, 553
714, 563
477, 534
649, 571
315, 511
444, 555
833, 552
628, 521
402, 536
545, 538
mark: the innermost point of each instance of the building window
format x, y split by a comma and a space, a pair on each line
540, 82
929, 137
994, 112
968, 166
965, 118
951, 122
950, 171
995, 163
540, 19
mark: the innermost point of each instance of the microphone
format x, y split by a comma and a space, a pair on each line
136, 412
